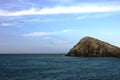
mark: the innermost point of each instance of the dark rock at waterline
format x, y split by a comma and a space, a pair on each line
91, 47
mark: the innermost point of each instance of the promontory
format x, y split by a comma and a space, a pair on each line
91, 47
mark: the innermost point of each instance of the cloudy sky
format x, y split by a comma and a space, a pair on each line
55, 26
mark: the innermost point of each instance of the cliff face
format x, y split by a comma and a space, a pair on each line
89, 46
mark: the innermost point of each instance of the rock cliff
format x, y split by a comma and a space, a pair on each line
91, 47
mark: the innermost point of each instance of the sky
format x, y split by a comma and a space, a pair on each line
55, 26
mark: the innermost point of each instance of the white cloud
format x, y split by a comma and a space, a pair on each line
39, 20
46, 35
31, 20
6, 24
38, 34
98, 15
88, 8
18, 13
81, 17
63, 1
66, 30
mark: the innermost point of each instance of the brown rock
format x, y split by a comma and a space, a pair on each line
89, 46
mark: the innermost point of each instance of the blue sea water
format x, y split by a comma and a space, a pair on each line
58, 67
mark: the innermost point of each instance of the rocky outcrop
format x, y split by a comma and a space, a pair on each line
91, 47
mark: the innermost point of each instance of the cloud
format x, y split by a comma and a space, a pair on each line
63, 1
38, 34
66, 30
39, 20
82, 17
98, 15
6, 24
45, 34
32, 20
86, 8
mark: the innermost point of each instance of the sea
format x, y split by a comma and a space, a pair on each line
58, 67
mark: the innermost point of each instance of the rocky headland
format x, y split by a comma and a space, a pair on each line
91, 47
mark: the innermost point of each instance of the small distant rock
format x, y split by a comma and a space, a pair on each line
91, 47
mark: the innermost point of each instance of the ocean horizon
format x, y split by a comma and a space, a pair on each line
58, 67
